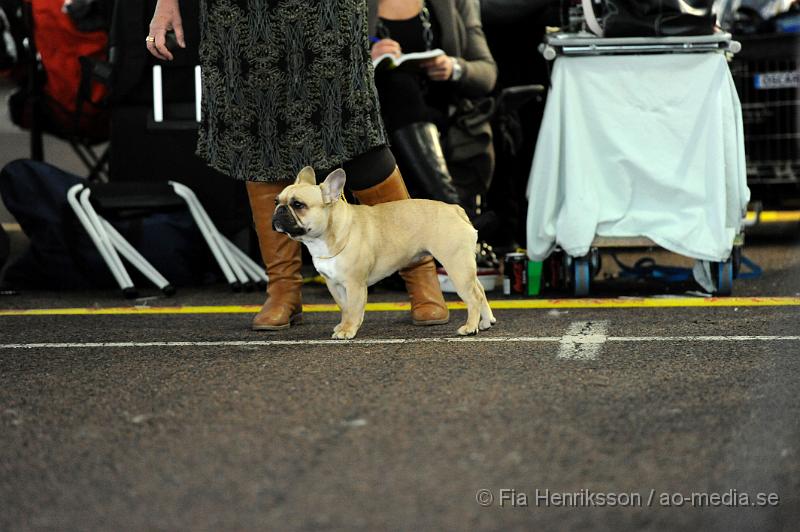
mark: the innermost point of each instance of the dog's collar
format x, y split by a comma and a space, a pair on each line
347, 241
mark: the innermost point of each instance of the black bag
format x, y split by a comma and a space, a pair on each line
61, 254
469, 147
656, 18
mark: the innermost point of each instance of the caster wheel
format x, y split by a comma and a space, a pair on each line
581, 277
736, 260
595, 261
722, 273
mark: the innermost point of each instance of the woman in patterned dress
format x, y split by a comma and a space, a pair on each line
289, 83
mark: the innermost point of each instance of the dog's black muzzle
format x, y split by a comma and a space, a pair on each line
283, 221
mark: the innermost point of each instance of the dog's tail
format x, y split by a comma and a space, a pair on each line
463, 215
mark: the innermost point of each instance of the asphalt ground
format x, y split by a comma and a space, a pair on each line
170, 414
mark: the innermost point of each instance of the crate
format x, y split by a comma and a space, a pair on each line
767, 77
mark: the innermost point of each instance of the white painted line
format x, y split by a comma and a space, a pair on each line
586, 340
702, 338
583, 340
262, 343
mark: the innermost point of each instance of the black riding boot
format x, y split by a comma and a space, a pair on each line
419, 150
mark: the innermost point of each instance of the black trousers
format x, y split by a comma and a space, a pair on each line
365, 170
407, 97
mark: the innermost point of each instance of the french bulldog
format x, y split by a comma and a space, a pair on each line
354, 246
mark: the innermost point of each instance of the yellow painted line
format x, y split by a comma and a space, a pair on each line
775, 216
646, 302
515, 304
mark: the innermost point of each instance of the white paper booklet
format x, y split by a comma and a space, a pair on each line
389, 61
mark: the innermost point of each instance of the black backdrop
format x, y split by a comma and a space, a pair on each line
142, 151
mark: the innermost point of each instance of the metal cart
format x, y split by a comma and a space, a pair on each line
577, 272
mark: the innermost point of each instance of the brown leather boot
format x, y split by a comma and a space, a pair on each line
427, 304
281, 255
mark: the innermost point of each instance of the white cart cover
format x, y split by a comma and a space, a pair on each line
639, 146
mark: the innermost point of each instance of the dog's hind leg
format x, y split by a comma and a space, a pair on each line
462, 271
487, 318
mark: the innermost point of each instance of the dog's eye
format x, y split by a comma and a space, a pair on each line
296, 205
276, 202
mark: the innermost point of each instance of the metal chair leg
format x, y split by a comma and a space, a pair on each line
256, 272
230, 268
94, 218
122, 279
134, 257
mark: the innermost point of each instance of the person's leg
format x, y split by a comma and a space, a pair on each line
282, 259
414, 135
402, 99
374, 178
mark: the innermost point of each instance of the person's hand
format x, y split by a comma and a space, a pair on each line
385, 46
167, 17
439, 68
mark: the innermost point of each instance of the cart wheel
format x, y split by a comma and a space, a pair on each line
724, 277
736, 260
566, 271
581, 277
553, 271
595, 261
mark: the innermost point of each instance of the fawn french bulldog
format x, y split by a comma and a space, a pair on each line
354, 246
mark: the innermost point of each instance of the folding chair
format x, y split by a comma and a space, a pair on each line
239, 270
31, 108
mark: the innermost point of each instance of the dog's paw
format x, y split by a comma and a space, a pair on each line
486, 324
467, 331
343, 333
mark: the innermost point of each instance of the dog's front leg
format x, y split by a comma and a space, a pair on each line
339, 295
352, 305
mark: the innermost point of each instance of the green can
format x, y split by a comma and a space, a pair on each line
534, 277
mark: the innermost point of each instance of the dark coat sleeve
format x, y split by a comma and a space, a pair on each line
372, 15
480, 69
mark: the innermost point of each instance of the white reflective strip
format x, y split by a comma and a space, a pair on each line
198, 92
158, 98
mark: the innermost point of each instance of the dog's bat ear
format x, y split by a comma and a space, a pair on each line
307, 176
333, 185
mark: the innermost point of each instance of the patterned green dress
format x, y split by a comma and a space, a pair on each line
286, 83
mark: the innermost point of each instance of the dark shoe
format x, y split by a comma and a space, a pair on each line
486, 258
